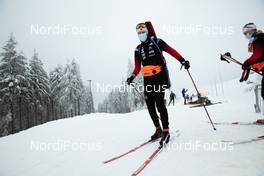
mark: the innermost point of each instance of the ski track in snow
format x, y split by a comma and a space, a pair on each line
117, 133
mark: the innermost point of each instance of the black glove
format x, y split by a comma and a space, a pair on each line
130, 79
185, 63
228, 54
245, 66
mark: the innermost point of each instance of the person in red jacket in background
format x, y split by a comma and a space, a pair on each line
256, 46
256, 60
154, 70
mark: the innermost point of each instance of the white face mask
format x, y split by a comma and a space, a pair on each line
248, 36
143, 37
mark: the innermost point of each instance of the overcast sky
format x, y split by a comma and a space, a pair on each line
199, 30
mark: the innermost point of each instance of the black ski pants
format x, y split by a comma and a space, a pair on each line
154, 91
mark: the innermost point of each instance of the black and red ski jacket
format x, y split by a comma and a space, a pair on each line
150, 53
258, 50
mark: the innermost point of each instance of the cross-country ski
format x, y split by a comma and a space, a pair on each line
176, 133
153, 155
126, 153
245, 141
258, 122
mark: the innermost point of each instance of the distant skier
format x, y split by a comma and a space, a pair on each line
155, 73
172, 98
187, 97
184, 91
191, 98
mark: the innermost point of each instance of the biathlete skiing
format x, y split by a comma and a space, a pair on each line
151, 62
256, 61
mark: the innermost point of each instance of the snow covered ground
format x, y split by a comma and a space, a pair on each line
91, 139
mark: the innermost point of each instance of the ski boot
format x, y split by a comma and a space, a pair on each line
165, 138
260, 121
157, 134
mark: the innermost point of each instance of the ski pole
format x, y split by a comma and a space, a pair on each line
228, 58
208, 115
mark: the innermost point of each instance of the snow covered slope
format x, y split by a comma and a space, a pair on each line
91, 139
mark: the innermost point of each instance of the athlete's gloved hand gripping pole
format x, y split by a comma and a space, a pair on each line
131, 83
245, 67
186, 65
227, 57
130, 79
